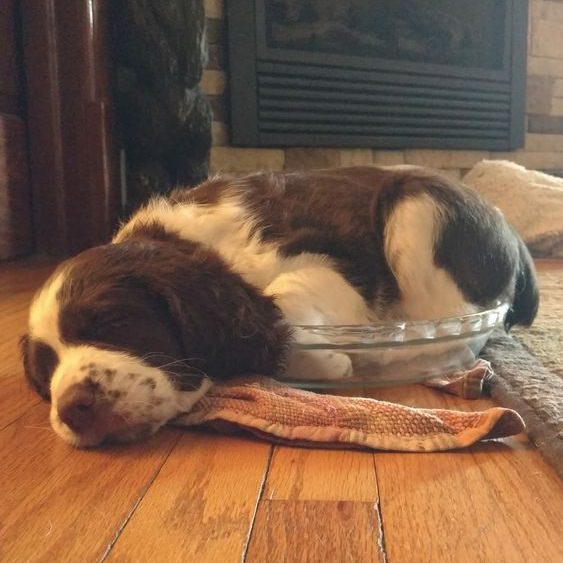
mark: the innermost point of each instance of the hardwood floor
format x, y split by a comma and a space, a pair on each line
196, 496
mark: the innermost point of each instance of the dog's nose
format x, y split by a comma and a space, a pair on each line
77, 407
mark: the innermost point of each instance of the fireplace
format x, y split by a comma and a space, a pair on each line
378, 73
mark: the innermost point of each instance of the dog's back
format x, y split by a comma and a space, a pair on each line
397, 234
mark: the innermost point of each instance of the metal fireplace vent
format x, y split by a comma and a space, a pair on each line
378, 73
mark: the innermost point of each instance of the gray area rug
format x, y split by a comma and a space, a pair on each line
529, 371
545, 338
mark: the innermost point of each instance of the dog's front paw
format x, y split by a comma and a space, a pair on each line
319, 365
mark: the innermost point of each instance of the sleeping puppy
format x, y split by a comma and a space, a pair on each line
207, 284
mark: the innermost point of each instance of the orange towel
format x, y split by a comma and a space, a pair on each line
279, 413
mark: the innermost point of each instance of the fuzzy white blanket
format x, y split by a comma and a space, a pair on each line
531, 201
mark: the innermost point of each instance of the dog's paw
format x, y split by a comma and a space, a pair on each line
319, 365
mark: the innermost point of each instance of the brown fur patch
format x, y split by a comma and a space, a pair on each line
167, 299
207, 193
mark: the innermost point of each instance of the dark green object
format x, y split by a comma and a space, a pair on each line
164, 120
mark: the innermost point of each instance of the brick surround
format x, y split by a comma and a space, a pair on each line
544, 112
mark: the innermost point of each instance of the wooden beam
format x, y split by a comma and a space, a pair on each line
72, 166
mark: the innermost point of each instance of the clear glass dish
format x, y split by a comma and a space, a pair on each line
397, 352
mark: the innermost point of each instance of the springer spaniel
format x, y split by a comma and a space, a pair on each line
207, 283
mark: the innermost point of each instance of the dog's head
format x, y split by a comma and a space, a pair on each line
124, 337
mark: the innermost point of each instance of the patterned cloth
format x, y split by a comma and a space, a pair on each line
283, 414
531, 201
468, 384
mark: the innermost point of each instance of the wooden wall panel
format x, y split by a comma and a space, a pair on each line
15, 207
9, 76
72, 167
16, 236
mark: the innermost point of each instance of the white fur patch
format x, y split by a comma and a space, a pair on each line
139, 393
427, 292
228, 228
317, 296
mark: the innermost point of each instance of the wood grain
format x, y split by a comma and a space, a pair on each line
492, 502
495, 501
9, 76
196, 496
20, 278
15, 197
201, 506
316, 531
16, 398
16, 237
63, 504
74, 179
318, 505
307, 474
18, 282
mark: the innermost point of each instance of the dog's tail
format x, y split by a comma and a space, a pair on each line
526, 294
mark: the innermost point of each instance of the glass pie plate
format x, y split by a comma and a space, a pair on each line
396, 352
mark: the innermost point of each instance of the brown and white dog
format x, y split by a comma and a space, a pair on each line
207, 283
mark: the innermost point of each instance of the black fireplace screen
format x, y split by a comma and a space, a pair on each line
378, 73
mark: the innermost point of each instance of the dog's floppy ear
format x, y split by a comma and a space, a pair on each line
39, 362
227, 327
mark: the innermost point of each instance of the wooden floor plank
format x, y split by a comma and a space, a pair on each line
15, 296
307, 474
495, 501
488, 503
15, 399
24, 276
311, 497
18, 281
63, 504
316, 531
201, 506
